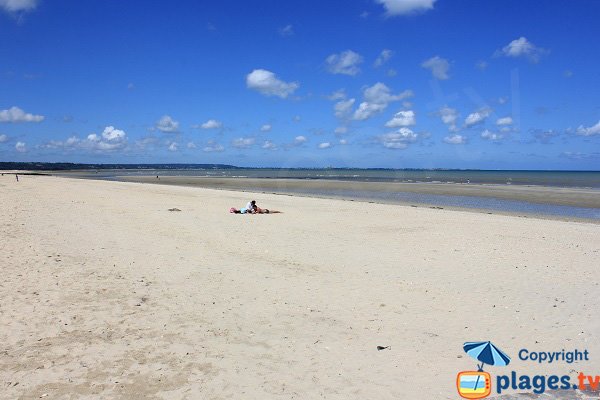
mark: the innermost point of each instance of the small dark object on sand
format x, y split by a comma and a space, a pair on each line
384, 347
174, 209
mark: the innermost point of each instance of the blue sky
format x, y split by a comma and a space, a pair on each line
363, 83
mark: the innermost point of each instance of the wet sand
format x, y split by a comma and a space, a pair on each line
575, 197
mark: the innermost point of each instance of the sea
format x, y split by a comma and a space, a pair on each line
563, 179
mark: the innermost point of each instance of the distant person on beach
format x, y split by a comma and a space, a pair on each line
258, 210
251, 205
17, 177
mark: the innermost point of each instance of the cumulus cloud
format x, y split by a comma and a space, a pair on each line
21, 147
109, 140
213, 147
345, 63
449, 117
3, 138
324, 145
16, 6
438, 66
377, 98
268, 145
589, 131
15, 114
173, 146
243, 143
191, 145
337, 95
504, 121
455, 139
399, 139
343, 142
489, 135
343, 108
212, 124
383, 57
167, 124
298, 140
404, 7
110, 133
477, 117
522, 47
402, 118
267, 83
266, 128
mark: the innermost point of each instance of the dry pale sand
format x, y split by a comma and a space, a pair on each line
107, 294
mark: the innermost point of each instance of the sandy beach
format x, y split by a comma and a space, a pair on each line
105, 293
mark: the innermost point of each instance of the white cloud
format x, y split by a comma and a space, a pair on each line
21, 147
266, 82
504, 121
503, 100
340, 130
402, 118
112, 134
297, 118
266, 128
489, 135
110, 139
404, 7
324, 145
383, 57
343, 108
298, 140
167, 124
455, 139
589, 131
191, 145
367, 110
3, 138
213, 147
15, 114
477, 117
345, 63
377, 98
522, 47
337, 95
242, 143
399, 139
212, 124
173, 146
14, 6
448, 116
343, 142
438, 66
268, 145
287, 30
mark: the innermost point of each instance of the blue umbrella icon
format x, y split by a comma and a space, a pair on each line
487, 353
